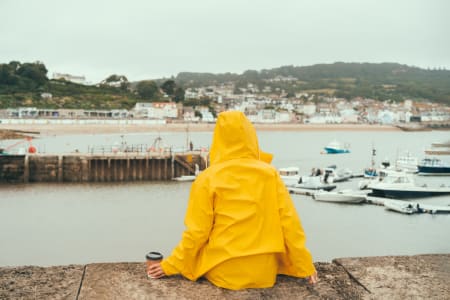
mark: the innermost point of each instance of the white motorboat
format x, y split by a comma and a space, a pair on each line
185, 178
401, 185
400, 206
414, 207
313, 183
289, 175
189, 177
334, 174
343, 196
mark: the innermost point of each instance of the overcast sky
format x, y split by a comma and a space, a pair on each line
145, 39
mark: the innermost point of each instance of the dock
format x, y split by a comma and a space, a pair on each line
424, 276
107, 167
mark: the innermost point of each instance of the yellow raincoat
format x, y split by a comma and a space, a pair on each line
242, 228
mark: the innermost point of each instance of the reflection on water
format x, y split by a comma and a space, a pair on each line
52, 224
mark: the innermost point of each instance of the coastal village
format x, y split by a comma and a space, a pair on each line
260, 106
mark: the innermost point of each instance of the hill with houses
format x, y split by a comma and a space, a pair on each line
330, 93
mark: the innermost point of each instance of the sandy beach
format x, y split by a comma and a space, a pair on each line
60, 129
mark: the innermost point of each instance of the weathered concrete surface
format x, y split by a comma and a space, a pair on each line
401, 277
128, 281
391, 277
61, 282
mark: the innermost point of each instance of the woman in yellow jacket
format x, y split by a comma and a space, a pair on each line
242, 228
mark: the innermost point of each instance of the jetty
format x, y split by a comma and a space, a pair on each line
384, 277
97, 167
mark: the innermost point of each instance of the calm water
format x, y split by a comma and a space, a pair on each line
54, 224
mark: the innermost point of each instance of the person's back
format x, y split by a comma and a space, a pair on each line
247, 230
241, 226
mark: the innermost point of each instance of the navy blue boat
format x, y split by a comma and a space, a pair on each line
433, 166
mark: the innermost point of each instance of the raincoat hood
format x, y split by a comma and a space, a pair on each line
235, 137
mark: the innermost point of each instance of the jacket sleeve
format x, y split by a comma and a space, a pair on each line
296, 260
198, 222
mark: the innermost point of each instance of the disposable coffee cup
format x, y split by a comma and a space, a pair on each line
153, 258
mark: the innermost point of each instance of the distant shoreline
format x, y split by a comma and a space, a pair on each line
64, 129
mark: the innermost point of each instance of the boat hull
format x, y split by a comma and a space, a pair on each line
407, 194
325, 187
424, 170
335, 151
398, 206
339, 197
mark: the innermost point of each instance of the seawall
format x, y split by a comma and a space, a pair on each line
385, 277
109, 167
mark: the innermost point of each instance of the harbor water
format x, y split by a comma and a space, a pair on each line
59, 224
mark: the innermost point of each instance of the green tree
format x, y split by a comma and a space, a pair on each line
147, 89
169, 87
179, 95
123, 80
36, 72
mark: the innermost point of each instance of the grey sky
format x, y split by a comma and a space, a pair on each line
144, 39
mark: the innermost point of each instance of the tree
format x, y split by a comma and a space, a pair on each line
179, 95
169, 87
120, 81
36, 72
147, 89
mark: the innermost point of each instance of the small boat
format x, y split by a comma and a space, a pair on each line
366, 182
400, 185
344, 196
313, 183
189, 177
441, 144
371, 172
414, 127
336, 147
433, 166
334, 174
185, 178
289, 175
412, 207
400, 206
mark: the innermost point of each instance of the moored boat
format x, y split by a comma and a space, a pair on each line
433, 166
400, 185
343, 196
334, 174
414, 207
313, 183
336, 147
400, 206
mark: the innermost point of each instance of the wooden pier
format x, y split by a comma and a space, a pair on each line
111, 167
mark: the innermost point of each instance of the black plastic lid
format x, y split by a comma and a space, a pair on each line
154, 256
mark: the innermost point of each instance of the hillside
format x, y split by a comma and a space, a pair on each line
26, 84
377, 81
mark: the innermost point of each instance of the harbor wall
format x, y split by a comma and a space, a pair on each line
385, 277
98, 168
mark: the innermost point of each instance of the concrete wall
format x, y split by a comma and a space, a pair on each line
101, 168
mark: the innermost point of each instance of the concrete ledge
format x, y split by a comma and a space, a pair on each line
389, 277
29, 282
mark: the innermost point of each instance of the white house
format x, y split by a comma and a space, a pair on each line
155, 110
